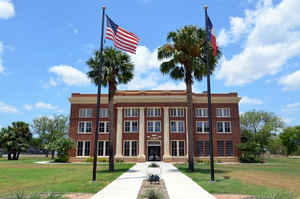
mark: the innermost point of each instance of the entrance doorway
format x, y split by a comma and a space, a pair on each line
154, 152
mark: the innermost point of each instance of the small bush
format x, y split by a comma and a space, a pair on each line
21, 195
219, 161
119, 160
153, 165
102, 159
251, 159
62, 159
276, 195
153, 194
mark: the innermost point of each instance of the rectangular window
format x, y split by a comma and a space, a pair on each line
153, 126
100, 148
177, 148
103, 113
103, 127
223, 112
176, 112
80, 148
85, 127
174, 148
130, 148
202, 127
224, 127
153, 112
206, 148
199, 148
134, 126
85, 112
127, 126
87, 148
177, 126
83, 148
126, 148
201, 112
134, 148
131, 112
181, 148
220, 148
131, 126
229, 148
107, 148
220, 127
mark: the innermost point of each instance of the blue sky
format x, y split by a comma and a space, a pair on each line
44, 46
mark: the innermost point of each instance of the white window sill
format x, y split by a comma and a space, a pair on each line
224, 132
83, 133
202, 132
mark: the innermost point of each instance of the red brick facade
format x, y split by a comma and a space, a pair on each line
163, 100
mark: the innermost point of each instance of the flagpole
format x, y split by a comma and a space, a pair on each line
98, 99
211, 148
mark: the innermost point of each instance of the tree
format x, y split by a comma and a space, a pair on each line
49, 130
117, 69
258, 127
184, 59
62, 146
290, 138
15, 139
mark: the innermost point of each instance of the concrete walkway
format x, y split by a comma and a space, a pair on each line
180, 186
128, 184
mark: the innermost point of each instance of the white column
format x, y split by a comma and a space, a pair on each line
166, 133
119, 143
186, 132
142, 133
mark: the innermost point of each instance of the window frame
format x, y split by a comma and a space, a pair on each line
202, 112
106, 129
203, 127
177, 151
177, 126
131, 126
174, 112
154, 122
222, 111
153, 112
130, 148
83, 148
223, 127
130, 112
85, 113
84, 127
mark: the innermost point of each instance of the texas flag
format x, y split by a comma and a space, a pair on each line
211, 36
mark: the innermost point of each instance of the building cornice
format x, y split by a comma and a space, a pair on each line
154, 97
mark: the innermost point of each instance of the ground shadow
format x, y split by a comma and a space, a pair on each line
202, 170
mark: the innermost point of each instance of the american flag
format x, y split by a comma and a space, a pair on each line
122, 39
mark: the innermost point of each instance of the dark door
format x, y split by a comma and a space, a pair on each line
154, 153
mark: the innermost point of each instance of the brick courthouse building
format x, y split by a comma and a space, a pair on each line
151, 125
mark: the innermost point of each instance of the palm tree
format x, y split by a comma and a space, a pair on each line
116, 69
184, 59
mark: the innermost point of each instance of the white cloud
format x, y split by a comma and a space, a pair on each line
170, 86
7, 9
291, 81
75, 31
43, 105
145, 60
52, 82
70, 75
28, 107
251, 101
288, 120
291, 108
5, 108
272, 38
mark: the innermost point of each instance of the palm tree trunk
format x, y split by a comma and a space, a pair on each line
112, 89
190, 117
52, 154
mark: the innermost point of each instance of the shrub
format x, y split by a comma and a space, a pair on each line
63, 145
276, 195
21, 195
102, 159
153, 194
153, 165
119, 160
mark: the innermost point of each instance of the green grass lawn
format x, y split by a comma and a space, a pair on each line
279, 174
24, 175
